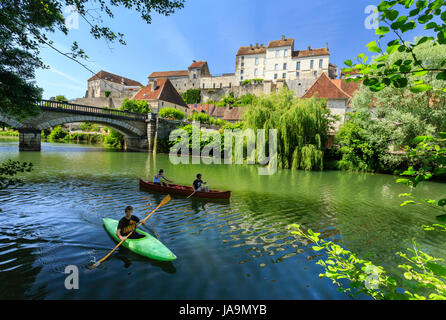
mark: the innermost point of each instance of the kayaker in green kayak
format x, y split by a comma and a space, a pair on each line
127, 224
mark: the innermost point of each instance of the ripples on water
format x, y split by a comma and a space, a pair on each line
236, 250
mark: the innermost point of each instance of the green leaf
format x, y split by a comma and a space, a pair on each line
373, 47
421, 88
441, 202
348, 63
382, 31
437, 269
405, 203
441, 75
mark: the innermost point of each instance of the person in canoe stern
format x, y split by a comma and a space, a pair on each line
198, 184
157, 179
128, 224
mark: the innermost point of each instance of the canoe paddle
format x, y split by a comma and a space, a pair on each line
162, 203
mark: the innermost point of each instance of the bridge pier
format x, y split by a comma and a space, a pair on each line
29, 139
135, 144
152, 129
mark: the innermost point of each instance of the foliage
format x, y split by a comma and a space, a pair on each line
244, 100
138, 106
171, 113
57, 134
250, 81
61, 98
430, 161
107, 93
205, 118
9, 133
192, 96
302, 127
422, 272
25, 27
400, 17
88, 126
388, 120
114, 139
9, 169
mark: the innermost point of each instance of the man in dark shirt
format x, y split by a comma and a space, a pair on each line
198, 184
128, 224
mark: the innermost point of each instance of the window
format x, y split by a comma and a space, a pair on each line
221, 85
320, 63
241, 71
203, 85
229, 84
297, 74
311, 64
243, 57
277, 53
213, 85
195, 76
285, 53
276, 67
283, 75
298, 65
255, 72
315, 74
243, 64
241, 78
284, 66
257, 61
275, 76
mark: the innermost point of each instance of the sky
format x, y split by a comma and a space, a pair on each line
208, 30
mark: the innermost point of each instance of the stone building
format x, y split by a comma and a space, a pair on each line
338, 93
118, 86
160, 93
278, 60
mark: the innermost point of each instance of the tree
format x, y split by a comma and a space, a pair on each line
192, 96
61, 98
138, 106
25, 26
399, 17
302, 127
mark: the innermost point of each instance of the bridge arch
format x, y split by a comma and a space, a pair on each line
119, 125
10, 121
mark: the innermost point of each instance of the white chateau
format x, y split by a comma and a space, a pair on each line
273, 65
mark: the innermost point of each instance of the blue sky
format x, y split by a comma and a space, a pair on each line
206, 30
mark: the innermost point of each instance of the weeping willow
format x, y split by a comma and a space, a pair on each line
302, 126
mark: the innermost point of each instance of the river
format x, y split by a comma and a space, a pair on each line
237, 250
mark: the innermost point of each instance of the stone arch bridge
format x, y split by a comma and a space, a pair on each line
140, 131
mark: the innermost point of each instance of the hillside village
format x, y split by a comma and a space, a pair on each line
259, 69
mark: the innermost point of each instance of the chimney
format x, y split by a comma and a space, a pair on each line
309, 47
152, 82
326, 46
257, 45
283, 38
193, 61
250, 45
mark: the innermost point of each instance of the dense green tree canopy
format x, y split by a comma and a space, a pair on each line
26, 26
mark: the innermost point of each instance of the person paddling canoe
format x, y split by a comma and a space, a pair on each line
157, 179
128, 224
198, 184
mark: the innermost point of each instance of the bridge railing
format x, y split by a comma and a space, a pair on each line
51, 105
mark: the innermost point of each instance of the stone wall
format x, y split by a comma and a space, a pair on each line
101, 102
300, 86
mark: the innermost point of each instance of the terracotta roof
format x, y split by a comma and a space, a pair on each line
197, 64
234, 113
353, 72
326, 88
104, 75
164, 91
281, 43
164, 74
207, 108
332, 65
349, 87
311, 53
251, 50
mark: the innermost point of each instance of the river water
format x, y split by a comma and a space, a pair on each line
237, 250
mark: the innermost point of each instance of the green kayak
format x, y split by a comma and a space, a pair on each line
148, 246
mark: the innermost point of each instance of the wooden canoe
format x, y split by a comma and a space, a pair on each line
184, 190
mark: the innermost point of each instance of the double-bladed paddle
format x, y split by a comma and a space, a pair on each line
162, 203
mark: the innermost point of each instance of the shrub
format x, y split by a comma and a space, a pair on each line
114, 139
107, 94
61, 98
171, 113
192, 96
57, 134
139, 106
